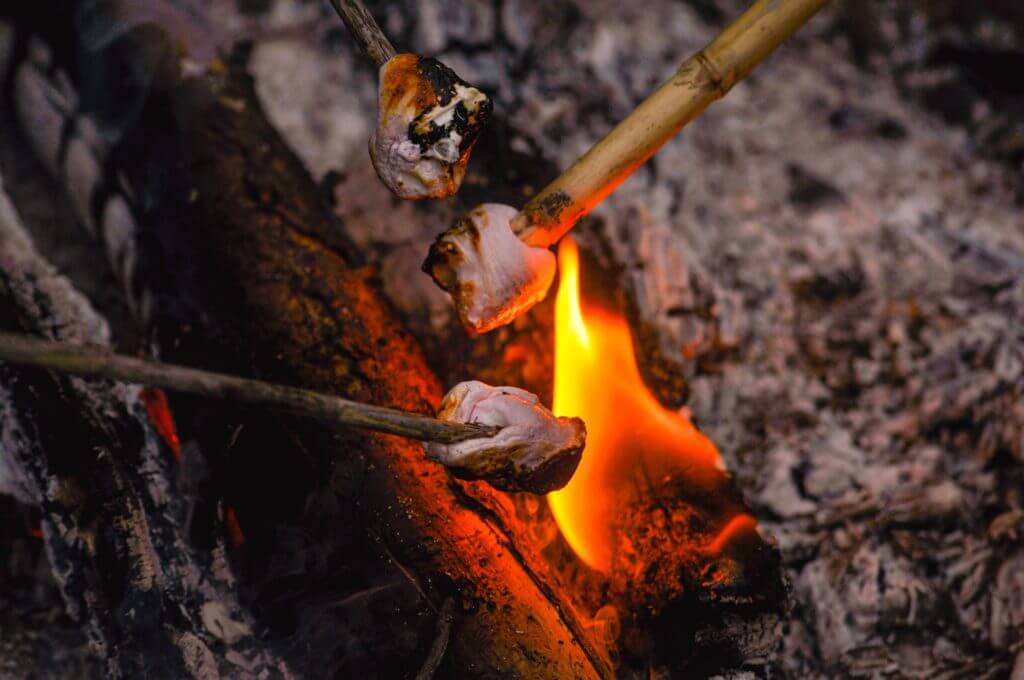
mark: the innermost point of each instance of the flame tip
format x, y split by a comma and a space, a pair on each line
631, 437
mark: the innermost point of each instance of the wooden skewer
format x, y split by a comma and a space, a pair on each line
365, 30
101, 363
703, 78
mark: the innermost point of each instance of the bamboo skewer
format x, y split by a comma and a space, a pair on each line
495, 262
702, 79
101, 363
365, 30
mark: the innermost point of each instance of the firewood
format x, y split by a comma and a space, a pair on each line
257, 280
86, 456
290, 306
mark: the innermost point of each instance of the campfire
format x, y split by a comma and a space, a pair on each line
244, 434
651, 511
634, 442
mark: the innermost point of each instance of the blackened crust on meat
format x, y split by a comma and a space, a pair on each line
469, 115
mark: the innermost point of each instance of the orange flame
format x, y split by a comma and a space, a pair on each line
632, 440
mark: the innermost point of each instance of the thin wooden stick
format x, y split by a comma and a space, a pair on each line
702, 79
444, 633
101, 363
365, 30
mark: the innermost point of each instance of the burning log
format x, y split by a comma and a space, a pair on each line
428, 117
111, 519
296, 310
652, 508
259, 281
486, 302
275, 295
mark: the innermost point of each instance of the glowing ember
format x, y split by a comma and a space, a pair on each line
159, 411
732, 528
232, 528
633, 442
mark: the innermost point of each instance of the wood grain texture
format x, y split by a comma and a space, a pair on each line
283, 297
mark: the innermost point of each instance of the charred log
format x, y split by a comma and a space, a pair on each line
111, 516
674, 601
697, 586
292, 307
256, 280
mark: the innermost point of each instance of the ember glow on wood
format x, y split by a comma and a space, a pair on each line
634, 442
831, 288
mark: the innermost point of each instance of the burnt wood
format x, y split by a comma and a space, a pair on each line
255, 279
111, 516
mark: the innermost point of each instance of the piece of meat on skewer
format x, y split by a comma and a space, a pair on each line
427, 120
499, 270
